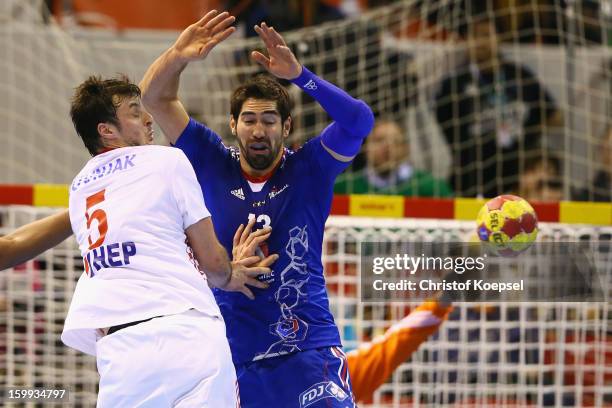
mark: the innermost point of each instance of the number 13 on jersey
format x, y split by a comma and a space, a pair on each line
263, 218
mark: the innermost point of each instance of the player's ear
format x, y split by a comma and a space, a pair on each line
232, 124
286, 127
105, 130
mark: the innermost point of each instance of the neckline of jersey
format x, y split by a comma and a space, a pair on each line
265, 177
106, 150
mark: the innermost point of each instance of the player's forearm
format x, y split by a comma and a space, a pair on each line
219, 270
215, 264
33, 239
160, 83
353, 115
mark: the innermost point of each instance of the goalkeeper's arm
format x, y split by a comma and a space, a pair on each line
373, 363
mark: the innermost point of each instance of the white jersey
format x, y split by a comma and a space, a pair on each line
129, 208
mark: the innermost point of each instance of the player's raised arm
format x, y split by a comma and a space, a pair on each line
160, 83
353, 118
33, 239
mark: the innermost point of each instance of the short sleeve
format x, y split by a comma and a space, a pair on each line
187, 192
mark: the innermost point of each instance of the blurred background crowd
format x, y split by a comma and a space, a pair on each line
473, 98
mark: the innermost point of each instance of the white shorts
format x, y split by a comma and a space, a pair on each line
180, 360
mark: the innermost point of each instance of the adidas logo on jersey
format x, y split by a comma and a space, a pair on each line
311, 85
238, 193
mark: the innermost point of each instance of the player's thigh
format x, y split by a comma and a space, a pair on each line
312, 378
165, 360
332, 388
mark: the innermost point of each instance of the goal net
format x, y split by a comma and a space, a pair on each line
409, 61
521, 353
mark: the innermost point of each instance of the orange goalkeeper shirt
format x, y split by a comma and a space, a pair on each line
373, 363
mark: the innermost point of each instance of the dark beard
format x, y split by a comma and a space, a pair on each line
259, 162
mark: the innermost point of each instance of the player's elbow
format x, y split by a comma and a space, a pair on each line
364, 119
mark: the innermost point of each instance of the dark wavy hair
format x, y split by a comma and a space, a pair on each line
262, 86
96, 101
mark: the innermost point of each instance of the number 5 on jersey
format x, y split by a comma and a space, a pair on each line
98, 215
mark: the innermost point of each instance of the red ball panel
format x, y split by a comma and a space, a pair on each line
528, 222
512, 227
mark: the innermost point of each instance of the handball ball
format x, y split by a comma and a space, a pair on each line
508, 224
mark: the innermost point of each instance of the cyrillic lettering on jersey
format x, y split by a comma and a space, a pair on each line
111, 167
108, 256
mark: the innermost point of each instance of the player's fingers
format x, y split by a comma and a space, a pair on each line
247, 230
257, 284
237, 235
248, 261
257, 270
263, 231
263, 32
255, 243
208, 47
216, 20
276, 37
269, 260
283, 49
257, 235
261, 59
247, 292
228, 21
207, 17
224, 34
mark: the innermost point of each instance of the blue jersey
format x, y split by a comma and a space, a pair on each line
293, 313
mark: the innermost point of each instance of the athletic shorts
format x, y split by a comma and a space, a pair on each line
315, 378
180, 360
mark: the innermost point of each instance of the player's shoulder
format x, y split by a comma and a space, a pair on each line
305, 149
164, 153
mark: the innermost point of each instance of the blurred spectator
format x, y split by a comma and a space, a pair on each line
541, 179
601, 189
283, 15
492, 112
527, 21
388, 169
420, 21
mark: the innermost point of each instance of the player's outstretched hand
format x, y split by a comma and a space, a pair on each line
197, 40
280, 62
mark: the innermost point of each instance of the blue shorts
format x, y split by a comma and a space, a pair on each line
315, 378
